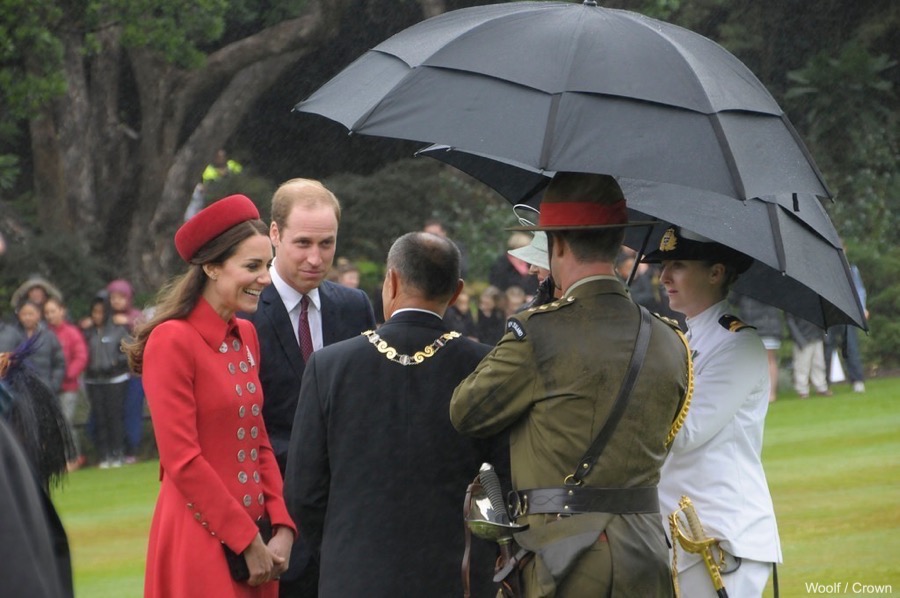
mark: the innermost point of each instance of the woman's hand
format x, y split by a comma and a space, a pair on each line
280, 547
260, 562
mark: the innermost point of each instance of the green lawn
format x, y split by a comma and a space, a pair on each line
833, 466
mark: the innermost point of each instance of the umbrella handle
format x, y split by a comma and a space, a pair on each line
640, 255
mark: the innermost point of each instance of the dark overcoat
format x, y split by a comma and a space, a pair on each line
346, 313
376, 473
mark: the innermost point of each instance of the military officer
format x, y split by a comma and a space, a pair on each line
715, 458
552, 381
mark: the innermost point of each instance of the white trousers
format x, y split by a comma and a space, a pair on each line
809, 367
747, 581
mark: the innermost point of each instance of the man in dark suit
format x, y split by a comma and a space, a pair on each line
305, 218
376, 473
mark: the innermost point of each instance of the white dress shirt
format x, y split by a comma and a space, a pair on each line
291, 298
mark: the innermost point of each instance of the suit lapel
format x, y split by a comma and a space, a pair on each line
331, 321
278, 319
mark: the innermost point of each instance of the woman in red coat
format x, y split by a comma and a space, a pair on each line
200, 370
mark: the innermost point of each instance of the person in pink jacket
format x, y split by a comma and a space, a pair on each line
75, 354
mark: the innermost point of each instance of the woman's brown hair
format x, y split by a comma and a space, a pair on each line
178, 297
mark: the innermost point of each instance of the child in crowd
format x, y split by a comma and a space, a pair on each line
106, 381
121, 300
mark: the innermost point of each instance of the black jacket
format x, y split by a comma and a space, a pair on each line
105, 357
376, 472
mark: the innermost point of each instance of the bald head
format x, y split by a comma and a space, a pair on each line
427, 264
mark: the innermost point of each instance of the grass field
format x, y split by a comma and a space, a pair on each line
833, 466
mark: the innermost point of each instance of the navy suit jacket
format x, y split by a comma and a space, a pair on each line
346, 313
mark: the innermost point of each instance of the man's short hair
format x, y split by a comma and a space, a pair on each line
307, 193
426, 262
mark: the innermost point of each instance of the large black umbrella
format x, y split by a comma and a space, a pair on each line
799, 263
576, 87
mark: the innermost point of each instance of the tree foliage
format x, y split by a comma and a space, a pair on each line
110, 110
849, 112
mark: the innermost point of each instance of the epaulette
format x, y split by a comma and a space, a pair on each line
733, 324
515, 326
671, 322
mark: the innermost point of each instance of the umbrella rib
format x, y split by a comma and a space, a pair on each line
812, 163
549, 131
728, 155
776, 234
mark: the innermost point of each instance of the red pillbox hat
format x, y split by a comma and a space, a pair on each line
212, 221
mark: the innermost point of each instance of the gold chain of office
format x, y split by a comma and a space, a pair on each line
403, 359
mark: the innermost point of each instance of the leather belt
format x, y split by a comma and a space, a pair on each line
577, 499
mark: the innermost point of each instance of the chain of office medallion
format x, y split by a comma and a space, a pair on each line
403, 359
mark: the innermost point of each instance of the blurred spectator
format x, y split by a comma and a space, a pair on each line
10, 336
124, 313
106, 381
809, 356
491, 323
459, 316
436, 226
845, 339
348, 275
46, 355
75, 355
36, 289
769, 324
221, 168
508, 270
514, 298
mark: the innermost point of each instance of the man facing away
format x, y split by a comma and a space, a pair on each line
376, 473
552, 381
298, 303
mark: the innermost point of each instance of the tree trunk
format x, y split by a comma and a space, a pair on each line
124, 186
171, 168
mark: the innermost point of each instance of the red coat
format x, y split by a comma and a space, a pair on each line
217, 468
75, 353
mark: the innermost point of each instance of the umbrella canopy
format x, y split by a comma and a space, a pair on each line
563, 86
799, 262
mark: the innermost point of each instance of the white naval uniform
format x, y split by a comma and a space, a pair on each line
715, 458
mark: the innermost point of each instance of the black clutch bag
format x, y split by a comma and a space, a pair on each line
237, 564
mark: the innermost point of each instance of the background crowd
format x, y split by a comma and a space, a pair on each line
80, 360
77, 354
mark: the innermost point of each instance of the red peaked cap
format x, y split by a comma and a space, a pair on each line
212, 221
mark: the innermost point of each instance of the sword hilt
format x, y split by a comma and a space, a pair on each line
699, 543
491, 485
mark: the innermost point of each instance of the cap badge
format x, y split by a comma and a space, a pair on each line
669, 240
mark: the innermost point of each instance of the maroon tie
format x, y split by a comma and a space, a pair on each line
306, 344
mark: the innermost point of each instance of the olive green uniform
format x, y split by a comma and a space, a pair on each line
552, 381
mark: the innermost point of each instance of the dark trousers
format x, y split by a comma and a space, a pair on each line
107, 403
134, 415
845, 339
305, 586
